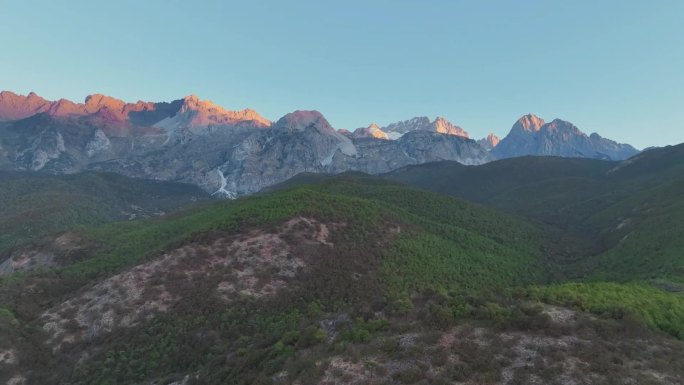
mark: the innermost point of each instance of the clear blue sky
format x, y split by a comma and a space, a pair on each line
616, 67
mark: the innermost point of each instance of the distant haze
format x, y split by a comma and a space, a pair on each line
613, 67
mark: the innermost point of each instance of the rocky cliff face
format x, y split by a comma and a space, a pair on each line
304, 141
376, 156
530, 135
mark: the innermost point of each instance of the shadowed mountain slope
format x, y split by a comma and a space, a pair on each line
34, 205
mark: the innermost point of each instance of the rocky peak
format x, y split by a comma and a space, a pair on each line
33, 98
444, 126
190, 111
400, 128
528, 123
199, 113
192, 98
423, 123
193, 103
65, 107
196, 114
13, 106
489, 142
94, 102
372, 131
531, 136
300, 120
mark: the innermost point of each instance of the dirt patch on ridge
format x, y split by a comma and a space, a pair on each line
256, 263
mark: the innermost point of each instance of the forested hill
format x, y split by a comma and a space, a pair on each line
36, 204
352, 280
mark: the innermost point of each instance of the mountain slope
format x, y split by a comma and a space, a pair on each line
626, 210
36, 205
485, 183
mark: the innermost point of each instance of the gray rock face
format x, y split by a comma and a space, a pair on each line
530, 135
304, 142
36, 147
376, 156
99, 143
423, 123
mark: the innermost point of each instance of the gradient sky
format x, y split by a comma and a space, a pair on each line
615, 67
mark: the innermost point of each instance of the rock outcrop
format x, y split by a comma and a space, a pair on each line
489, 142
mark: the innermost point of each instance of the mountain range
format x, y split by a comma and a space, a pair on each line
231, 153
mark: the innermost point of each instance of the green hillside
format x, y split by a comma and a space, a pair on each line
644, 236
625, 212
351, 279
557, 190
35, 204
392, 243
487, 182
